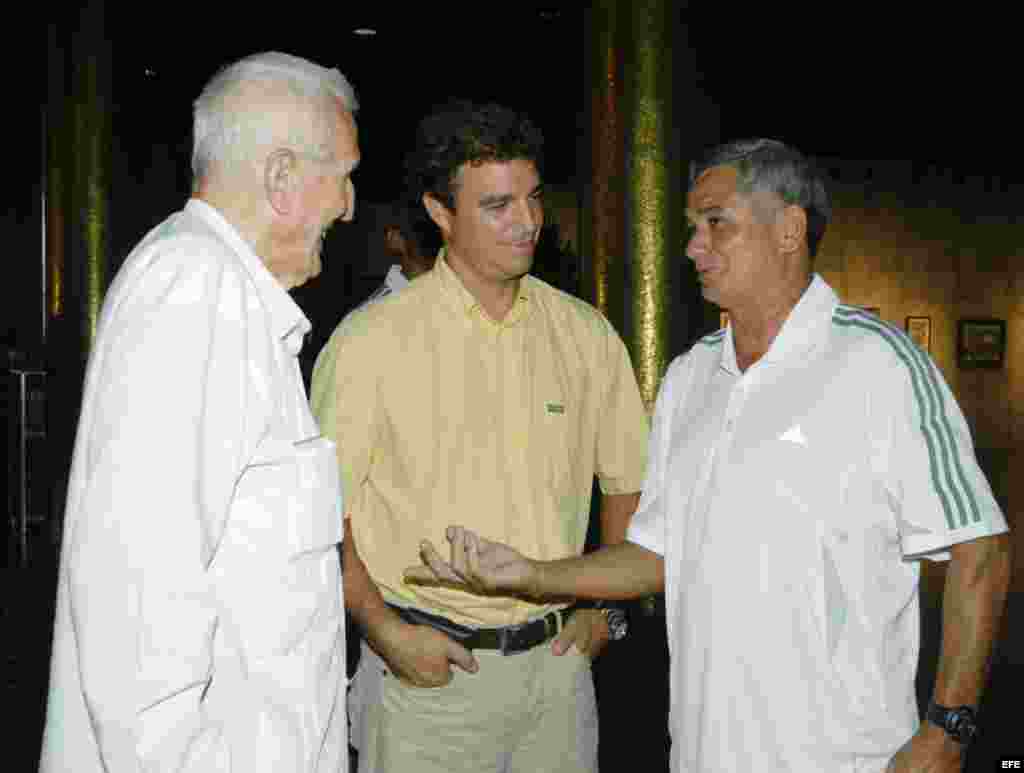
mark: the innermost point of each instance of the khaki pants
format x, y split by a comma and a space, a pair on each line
526, 713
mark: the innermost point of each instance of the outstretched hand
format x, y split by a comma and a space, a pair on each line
475, 564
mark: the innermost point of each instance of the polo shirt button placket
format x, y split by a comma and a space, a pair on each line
734, 407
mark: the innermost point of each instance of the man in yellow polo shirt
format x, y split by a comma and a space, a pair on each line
478, 395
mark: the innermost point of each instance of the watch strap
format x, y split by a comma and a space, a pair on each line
959, 722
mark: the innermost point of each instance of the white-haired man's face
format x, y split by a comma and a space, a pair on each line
315, 195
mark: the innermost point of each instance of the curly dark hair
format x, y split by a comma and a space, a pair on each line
463, 132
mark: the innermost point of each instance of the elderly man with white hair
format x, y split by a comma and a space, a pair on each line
199, 616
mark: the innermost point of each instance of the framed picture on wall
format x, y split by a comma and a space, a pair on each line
920, 331
981, 343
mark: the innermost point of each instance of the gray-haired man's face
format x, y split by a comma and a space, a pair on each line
326, 194
733, 238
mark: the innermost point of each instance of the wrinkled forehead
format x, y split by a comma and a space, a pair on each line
347, 139
714, 187
719, 188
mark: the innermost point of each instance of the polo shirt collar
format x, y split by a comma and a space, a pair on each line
287, 322
462, 300
803, 329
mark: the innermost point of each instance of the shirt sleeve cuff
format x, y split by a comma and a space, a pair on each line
615, 486
933, 545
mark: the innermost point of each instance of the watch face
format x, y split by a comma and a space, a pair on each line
960, 724
617, 625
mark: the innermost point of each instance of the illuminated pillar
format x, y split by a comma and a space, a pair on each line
648, 116
652, 195
56, 177
631, 228
603, 226
87, 173
78, 239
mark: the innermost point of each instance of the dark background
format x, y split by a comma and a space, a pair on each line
860, 81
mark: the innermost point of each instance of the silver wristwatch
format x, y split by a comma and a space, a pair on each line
618, 623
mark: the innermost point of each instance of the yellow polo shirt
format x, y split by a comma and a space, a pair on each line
443, 416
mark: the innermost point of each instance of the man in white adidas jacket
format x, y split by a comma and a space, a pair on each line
802, 462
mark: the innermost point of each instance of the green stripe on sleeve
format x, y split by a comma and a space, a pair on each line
947, 475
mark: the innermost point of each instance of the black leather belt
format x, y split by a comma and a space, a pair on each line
508, 640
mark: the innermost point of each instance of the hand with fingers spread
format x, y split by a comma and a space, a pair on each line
475, 563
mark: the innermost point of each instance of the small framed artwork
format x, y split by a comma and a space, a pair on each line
920, 331
981, 343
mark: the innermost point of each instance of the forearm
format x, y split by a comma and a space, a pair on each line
973, 602
616, 572
616, 510
362, 596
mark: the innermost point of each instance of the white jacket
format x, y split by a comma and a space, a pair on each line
199, 616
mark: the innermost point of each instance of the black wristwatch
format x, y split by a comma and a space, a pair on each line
618, 623
960, 723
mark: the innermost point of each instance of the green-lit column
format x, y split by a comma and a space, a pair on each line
603, 221
630, 228
88, 129
653, 199
78, 241
56, 177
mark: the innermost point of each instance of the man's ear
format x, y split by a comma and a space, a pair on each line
793, 228
439, 213
280, 180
